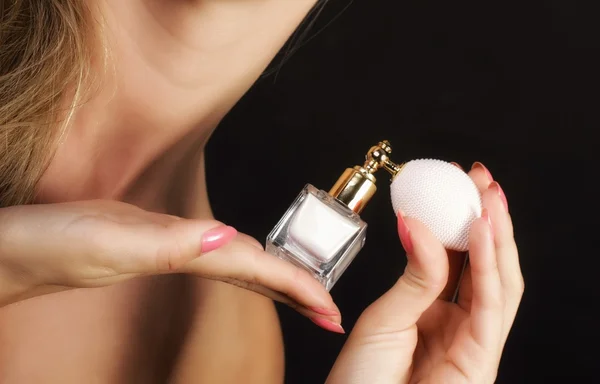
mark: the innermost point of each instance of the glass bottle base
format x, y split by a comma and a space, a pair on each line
318, 234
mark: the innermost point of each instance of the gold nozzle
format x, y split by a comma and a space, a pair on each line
356, 186
379, 157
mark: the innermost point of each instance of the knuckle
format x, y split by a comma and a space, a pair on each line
98, 260
253, 256
413, 280
389, 338
422, 281
298, 278
300, 275
171, 253
251, 241
375, 328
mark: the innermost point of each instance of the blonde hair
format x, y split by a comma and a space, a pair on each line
45, 53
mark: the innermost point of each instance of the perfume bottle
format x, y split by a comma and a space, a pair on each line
322, 232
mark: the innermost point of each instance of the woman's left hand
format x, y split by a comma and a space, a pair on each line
48, 248
414, 333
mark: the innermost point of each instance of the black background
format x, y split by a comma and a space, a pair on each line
510, 84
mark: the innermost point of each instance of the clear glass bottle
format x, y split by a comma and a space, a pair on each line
322, 232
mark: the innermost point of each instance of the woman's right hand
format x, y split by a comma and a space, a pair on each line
415, 332
55, 247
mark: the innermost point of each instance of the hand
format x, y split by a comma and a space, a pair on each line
414, 334
54, 247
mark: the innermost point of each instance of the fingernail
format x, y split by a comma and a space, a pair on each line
477, 164
500, 191
324, 311
486, 215
327, 325
404, 233
457, 165
217, 237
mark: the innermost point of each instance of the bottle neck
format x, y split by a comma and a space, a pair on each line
355, 187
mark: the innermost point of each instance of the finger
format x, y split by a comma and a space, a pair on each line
506, 250
96, 243
508, 258
243, 263
487, 304
313, 312
123, 251
481, 176
457, 165
424, 278
91, 244
456, 267
383, 341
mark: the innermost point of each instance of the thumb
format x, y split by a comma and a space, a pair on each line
151, 249
382, 343
53, 247
423, 280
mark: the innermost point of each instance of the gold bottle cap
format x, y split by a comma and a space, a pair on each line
356, 186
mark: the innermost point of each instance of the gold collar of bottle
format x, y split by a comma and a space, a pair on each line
356, 186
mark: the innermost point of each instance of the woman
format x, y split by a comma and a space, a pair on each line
116, 274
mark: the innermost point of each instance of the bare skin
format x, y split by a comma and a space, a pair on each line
178, 69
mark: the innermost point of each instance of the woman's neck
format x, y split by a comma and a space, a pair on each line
175, 69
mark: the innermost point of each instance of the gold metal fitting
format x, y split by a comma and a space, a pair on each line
356, 186
379, 157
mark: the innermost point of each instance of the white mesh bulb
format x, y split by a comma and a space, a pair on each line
441, 196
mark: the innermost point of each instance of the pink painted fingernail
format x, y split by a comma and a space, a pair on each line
477, 164
217, 237
324, 311
327, 325
495, 186
457, 165
404, 233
